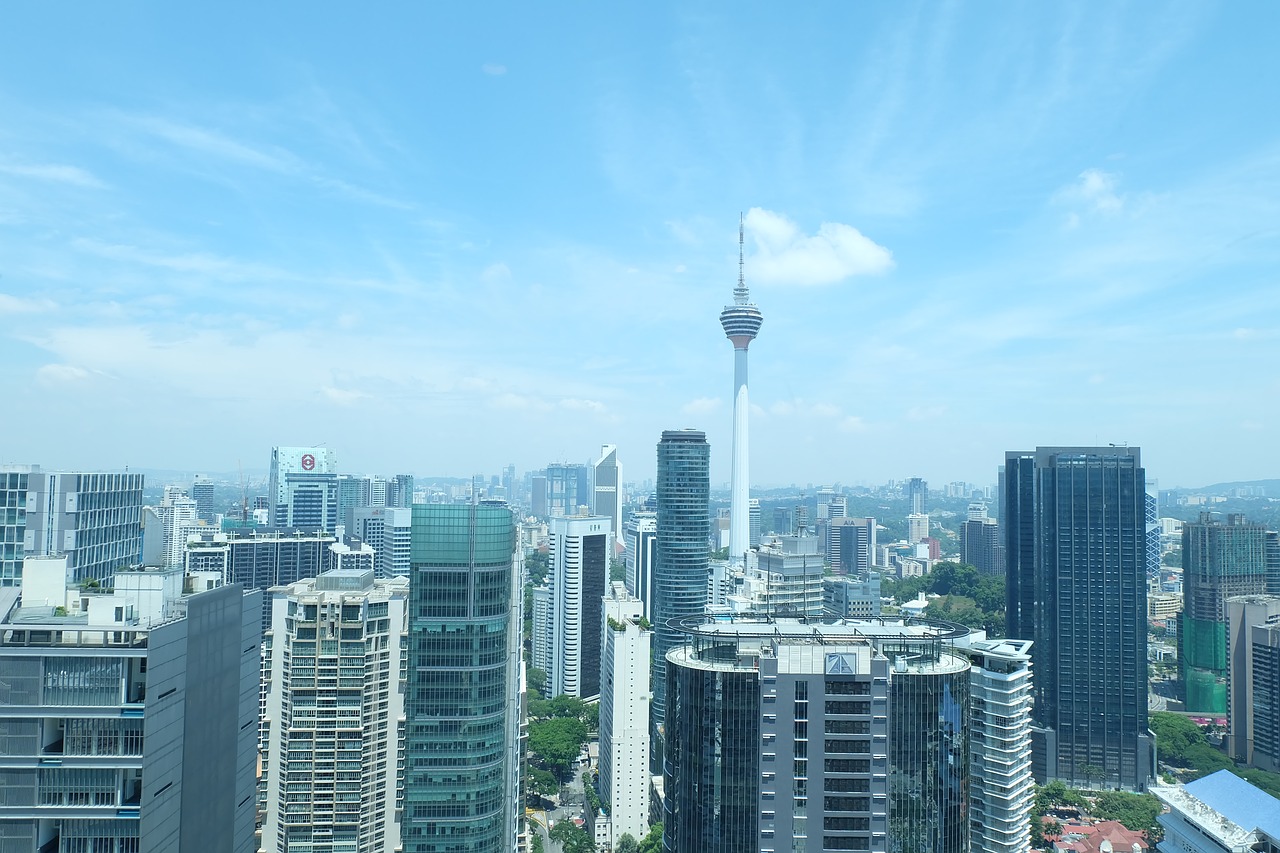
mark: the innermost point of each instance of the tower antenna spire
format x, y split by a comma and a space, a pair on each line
740, 292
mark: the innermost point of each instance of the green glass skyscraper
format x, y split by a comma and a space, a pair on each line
462, 702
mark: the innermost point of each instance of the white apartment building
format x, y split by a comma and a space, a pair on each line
624, 714
579, 575
334, 719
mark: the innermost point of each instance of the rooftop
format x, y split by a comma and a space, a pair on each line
1246, 805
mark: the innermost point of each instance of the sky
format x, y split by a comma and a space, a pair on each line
442, 238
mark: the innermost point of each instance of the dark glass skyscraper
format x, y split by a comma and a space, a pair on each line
1076, 553
461, 703
680, 569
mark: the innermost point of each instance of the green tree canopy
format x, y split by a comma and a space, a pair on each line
652, 843
627, 844
1135, 811
573, 838
557, 742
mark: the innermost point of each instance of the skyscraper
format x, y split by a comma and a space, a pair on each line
202, 492
1253, 733
624, 713
640, 540
1075, 551
1219, 560
462, 702
917, 496
294, 460
579, 575
980, 544
680, 570
741, 322
606, 491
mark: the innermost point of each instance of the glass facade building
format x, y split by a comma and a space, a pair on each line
1076, 552
681, 564
462, 701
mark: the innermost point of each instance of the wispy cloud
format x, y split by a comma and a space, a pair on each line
702, 406
493, 69
60, 374
18, 305
55, 172
1095, 190
785, 255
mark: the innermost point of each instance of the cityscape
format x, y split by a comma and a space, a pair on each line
363, 491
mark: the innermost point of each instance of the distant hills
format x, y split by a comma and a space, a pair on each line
1271, 487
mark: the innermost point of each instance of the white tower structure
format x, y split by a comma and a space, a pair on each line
741, 322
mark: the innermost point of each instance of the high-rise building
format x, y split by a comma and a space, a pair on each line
917, 496
353, 492
1253, 707
128, 715
681, 557
800, 736
917, 528
753, 526
786, 579
853, 545
568, 488
388, 530
310, 502
542, 642
203, 493
579, 573
1075, 551
1001, 788
852, 597
741, 323
400, 491
463, 701
331, 763
624, 714
980, 542
640, 538
294, 460
538, 503
606, 490
830, 512
1219, 560
95, 519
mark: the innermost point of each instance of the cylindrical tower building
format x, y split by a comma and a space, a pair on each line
741, 323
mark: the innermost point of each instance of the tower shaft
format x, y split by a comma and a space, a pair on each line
739, 484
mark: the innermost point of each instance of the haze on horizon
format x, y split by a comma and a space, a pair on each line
443, 240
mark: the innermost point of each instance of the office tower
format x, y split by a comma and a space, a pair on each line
681, 558
1075, 552
829, 515
753, 518
129, 716
202, 492
783, 521
917, 496
607, 490
853, 545
1219, 560
352, 492
790, 735
178, 515
980, 542
741, 323
260, 558
543, 639
462, 701
509, 484
294, 460
640, 538
377, 491
95, 519
786, 579
624, 714
568, 488
538, 504
334, 700
400, 491
852, 597
1001, 790
579, 573
389, 531
917, 528
310, 502
1253, 707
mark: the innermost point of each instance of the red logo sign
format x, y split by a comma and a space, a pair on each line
308, 462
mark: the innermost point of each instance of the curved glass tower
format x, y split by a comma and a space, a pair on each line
681, 557
741, 323
460, 703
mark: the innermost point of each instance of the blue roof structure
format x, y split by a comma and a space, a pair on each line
1244, 804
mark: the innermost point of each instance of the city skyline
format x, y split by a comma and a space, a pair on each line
970, 233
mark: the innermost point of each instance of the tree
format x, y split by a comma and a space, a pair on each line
1135, 811
541, 782
652, 843
617, 570
536, 844
557, 743
627, 844
572, 838
537, 679
536, 566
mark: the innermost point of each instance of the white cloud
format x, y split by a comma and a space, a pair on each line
18, 305
926, 413
342, 396
785, 255
57, 173
577, 405
496, 272
493, 69
56, 374
852, 423
1094, 189
702, 406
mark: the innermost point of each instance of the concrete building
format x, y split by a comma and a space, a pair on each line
295, 460
463, 700
309, 501
640, 540
852, 597
95, 519
579, 574
1220, 813
350, 553
335, 687
917, 492
389, 531
568, 488
786, 579
128, 716
980, 542
1076, 536
544, 647
1001, 788
1253, 706
606, 491
753, 522
917, 527
203, 492
624, 714
853, 546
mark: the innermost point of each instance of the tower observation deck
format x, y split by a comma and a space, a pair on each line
741, 323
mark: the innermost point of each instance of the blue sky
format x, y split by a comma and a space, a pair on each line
444, 239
